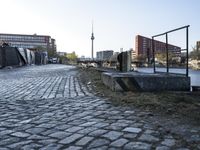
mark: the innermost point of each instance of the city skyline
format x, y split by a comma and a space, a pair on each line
116, 22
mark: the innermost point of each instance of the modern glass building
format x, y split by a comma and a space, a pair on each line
30, 41
104, 55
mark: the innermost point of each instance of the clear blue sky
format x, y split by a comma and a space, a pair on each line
116, 22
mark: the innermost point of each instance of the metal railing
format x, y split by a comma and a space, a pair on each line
167, 48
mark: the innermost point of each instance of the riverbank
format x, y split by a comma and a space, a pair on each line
194, 74
182, 106
194, 64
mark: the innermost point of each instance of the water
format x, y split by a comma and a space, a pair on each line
194, 74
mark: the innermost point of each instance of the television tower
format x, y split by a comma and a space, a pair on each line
92, 38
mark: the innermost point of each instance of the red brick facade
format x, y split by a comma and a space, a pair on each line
143, 47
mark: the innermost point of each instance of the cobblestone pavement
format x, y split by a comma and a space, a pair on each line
48, 108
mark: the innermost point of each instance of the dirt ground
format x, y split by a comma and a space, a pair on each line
182, 106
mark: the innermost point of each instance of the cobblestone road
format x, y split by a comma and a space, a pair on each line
48, 108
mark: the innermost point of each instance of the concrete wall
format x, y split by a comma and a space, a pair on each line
145, 82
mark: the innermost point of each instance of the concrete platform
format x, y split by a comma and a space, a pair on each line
135, 81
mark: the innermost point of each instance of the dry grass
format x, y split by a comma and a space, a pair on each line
181, 105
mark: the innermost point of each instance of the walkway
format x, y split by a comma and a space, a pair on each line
48, 108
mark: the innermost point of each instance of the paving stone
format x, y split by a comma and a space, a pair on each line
2, 129
35, 130
4, 148
19, 144
100, 148
5, 132
98, 142
24, 127
37, 137
20, 134
130, 135
138, 125
137, 146
87, 130
119, 142
100, 125
148, 138
9, 140
132, 130
73, 129
48, 132
63, 127
47, 141
129, 112
31, 146
112, 127
85, 140
73, 148
52, 147
48, 126
149, 131
88, 124
98, 132
168, 142
114, 148
112, 135
25, 121
162, 148
76, 122
71, 138
119, 124
60, 134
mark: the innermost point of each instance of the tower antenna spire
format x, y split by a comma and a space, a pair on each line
92, 38
92, 26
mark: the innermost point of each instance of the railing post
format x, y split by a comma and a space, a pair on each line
153, 50
187, 55
167, 53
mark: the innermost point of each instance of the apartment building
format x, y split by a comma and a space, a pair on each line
30, 41
143, 46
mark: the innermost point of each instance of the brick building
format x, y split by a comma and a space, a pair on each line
30, 41
143, 47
